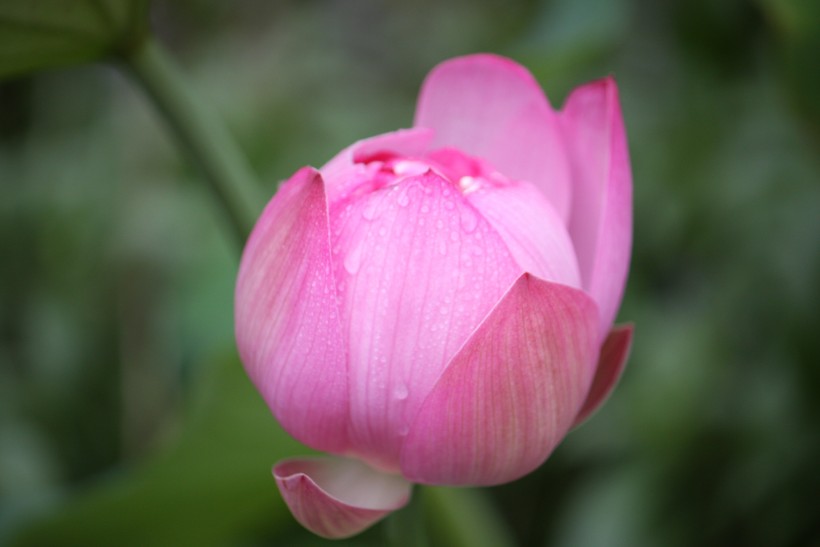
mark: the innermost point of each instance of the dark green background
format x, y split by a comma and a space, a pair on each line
125, 417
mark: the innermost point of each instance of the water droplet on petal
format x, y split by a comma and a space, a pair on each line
442, 247
371, 210
403, 199
353, 260
401, 392
469, 221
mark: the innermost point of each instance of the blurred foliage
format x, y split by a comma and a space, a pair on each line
125, 417
45, 33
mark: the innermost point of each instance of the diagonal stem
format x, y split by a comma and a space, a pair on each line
205, 140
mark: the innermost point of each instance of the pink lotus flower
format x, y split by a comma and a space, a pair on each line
435, 305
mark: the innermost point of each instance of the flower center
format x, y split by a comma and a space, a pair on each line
465, 172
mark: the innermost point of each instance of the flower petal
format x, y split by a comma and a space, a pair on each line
601, 220
511, 393
492, 107
532, 230
287, 327
419, 268
611, 363
337, 498
343, 172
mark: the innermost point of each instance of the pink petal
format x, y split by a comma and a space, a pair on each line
601, 219
287, 326
492, 108
611, 363
337, 498
532, 230
343, 173
419, 268
511, 393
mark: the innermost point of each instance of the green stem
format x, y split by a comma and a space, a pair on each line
464, 517
406, 527
202, 136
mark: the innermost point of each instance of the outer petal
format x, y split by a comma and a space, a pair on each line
492, 107
419, 269
611, 363
337, 498
601, 219
512, 392
533, 231
343, 173
287, 324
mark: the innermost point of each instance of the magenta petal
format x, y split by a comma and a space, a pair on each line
343, 173
337, 498
512, 392
611, 363
418, 269
492, 108
601, 220
287, 327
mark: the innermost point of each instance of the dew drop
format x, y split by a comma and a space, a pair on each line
449, 205
442, 247
371, 210
403, 200
353, 260
401, 392
469, 221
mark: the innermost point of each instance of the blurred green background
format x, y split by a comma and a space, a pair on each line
125, 416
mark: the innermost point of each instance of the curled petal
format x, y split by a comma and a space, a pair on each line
601, 220
287, 324
611, 363
511, 393
337, 498
492, 108
419, 268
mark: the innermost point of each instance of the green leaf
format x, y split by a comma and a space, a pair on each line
212, 488
37, 34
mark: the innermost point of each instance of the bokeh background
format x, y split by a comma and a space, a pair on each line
125, 416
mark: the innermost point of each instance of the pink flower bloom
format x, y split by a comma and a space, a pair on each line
436, 305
